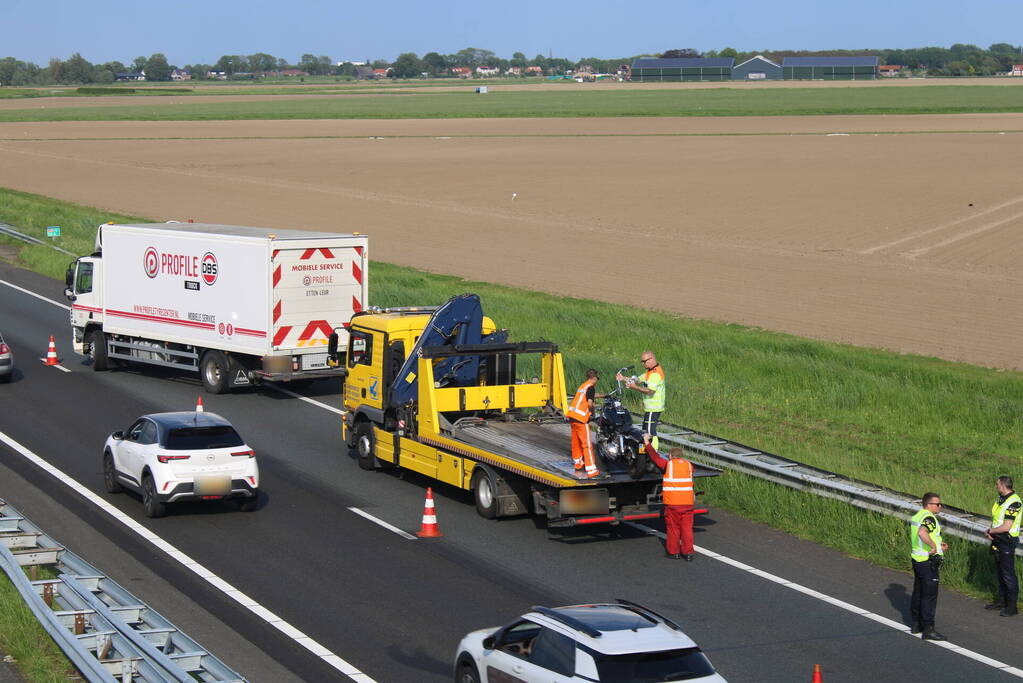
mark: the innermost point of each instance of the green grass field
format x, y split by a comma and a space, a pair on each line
907, 422
625, 101
22, 637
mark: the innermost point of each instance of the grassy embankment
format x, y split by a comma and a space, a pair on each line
561, 103
907, 422
37, 657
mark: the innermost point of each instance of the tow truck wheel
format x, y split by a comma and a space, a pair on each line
365, 445
485, 492
213, 371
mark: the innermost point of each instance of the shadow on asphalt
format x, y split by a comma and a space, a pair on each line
900, 600
420, 659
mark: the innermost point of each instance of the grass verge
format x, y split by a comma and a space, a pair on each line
907, 422
423, 104
36, 656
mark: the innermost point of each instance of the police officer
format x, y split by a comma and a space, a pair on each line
927, 554
1004, 536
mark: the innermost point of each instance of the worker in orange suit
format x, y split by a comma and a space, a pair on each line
679, 500
578, 413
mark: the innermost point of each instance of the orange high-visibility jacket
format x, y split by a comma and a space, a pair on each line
678, 483
579, 409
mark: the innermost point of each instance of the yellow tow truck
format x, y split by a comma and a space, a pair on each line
437, 391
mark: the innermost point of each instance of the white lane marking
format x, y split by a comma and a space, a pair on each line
894, 625
58, 366
229, 591
38, 296
389, 527
300, 397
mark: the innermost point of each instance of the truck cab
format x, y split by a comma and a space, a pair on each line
83, 288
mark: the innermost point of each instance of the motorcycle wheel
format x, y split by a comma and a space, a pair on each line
637, 463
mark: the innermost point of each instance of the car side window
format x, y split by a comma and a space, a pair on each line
148, 434
83, 285
135, 431
554, 651
517, 639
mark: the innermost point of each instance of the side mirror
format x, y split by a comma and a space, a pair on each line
69, 276
332, 346
488, 642
70, 294
118, 436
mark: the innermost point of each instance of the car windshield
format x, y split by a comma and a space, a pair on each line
198, 438
654, 667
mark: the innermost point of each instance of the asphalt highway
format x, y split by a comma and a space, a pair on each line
396, 608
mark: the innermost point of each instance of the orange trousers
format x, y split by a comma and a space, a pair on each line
582, 447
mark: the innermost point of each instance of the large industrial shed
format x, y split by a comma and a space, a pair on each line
829, 68
682, 69
758, 68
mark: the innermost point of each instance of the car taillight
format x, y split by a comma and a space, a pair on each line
4, 349
167, 458
250, 454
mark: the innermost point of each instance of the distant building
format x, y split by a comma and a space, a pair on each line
853, 68
1017, 70
461, 71
514, 71
286, 73
682, 69
180, 75
890, 70
216, 75
487, 71
364, 72
534, 71
133, 76
381, 73
342, 63
758, 68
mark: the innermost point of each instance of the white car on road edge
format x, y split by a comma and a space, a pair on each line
171, 457
622, 642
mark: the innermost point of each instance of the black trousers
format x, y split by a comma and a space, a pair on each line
650, 420
925, 591
1005, 563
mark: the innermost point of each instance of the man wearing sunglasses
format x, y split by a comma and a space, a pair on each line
1006, 514
927, 553
652, 388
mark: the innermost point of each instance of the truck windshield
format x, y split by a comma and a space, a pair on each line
654, 667
197, 438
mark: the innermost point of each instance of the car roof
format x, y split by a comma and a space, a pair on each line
186, 419
614, 628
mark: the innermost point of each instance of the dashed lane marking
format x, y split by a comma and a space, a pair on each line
389, 527
890, 623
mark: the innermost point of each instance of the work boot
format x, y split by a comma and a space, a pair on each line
931, 634
688, 558
1009, 611
997, 604
916, 628
673, 556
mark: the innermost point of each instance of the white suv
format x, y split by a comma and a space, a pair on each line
168, 457
623, 642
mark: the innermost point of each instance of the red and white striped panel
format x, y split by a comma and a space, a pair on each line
301, 320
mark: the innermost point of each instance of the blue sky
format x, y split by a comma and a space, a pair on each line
190, 31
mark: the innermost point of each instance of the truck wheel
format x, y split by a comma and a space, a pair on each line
213, 371
365, 445
110, 474
154, 508
484, 490
98, 342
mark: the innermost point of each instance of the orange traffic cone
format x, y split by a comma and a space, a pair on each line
816, 674
430, 528
51, 354
198, 405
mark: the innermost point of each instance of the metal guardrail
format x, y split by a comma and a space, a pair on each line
106, 632
713, 450
9, 230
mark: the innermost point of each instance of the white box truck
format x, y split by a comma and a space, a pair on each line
238, 305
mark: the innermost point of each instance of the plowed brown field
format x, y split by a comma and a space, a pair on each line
907, 239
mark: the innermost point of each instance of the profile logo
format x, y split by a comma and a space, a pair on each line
151, 262
208, 268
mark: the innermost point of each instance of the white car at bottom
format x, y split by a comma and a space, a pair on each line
171, 457
622, 642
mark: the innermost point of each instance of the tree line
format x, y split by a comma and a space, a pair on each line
957, 60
